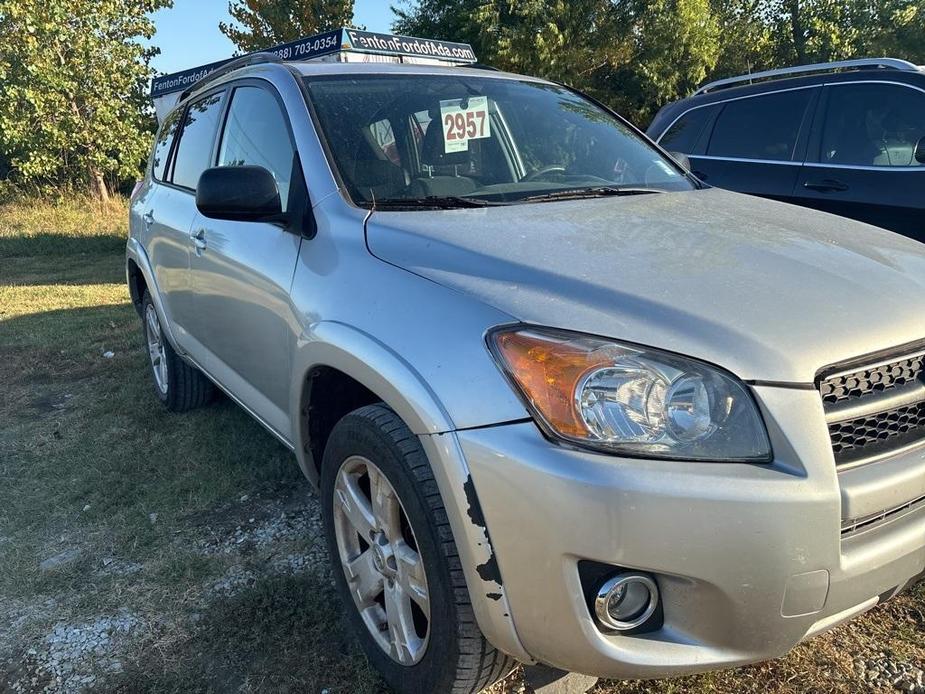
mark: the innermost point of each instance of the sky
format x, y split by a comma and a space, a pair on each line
188, 33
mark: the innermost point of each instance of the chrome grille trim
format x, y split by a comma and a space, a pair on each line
854, 526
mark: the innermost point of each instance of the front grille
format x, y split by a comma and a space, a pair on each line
875, 410
885, 430
881, 378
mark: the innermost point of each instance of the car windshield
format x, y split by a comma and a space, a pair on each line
423, 141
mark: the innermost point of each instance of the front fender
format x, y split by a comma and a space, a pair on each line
376, 366
401, 387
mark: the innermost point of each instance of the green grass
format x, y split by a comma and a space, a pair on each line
87, 455
35, 227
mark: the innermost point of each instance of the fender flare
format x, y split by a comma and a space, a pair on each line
374, 365
135, 252
391, 378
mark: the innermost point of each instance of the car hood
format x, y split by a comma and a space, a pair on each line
770, 291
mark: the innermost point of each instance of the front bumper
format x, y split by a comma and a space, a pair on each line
750, 559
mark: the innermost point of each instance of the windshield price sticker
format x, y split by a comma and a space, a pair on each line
464, 120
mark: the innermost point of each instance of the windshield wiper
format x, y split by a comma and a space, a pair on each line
432, 202
595, 192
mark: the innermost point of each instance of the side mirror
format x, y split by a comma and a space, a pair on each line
682, 159
239, 193
920, 151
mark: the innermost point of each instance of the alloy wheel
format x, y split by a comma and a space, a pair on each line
156, 349
381, 561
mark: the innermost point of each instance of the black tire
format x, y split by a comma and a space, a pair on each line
458, 658
184, 387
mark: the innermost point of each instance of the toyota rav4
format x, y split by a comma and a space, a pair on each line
562, 403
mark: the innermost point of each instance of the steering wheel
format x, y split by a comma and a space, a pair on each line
539, 173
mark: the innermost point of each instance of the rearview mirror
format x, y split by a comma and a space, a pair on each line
920, 151
681, 159
239, 193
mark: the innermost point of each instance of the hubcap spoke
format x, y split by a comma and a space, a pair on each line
411, 576
404, 640
385, 505
355, 505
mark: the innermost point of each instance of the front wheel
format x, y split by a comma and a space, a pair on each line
399, 575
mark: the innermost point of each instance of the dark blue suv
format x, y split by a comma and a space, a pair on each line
845, 137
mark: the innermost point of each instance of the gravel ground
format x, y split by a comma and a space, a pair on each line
73, 656
77, 657
884, 672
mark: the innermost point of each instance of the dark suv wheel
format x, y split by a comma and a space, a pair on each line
399, 574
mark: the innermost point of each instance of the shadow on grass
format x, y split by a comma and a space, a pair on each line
59, 346
49, 270
48, 244
285, 634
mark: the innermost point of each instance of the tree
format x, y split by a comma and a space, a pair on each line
73, 89
673, 46
746, 42
761, 34
638, 54
264, 23
631, 54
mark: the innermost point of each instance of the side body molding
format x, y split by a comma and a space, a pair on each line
394, 380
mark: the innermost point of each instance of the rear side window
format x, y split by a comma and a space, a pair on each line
194, 153
686, 131
162, 145
256, 134
761, 127
873, 125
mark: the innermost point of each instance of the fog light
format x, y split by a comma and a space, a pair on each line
626, 601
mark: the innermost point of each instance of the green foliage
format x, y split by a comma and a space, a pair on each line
264, 23
639, 54
73, 90
631, 54
760, 34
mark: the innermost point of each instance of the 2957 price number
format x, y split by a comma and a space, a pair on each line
464, 121
464, 126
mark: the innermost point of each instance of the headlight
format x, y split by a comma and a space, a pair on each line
631, 400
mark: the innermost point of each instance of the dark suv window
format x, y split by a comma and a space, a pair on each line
873, 125
256, 134
761, 127
194, 153
162, 145
684, 134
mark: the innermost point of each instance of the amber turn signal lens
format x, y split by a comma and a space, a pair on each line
548, 371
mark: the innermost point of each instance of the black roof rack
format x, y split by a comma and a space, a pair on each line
235, 64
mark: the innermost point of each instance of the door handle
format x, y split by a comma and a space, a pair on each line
148, 219
827, 186
199, 239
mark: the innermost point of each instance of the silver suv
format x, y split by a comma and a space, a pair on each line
562, 403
